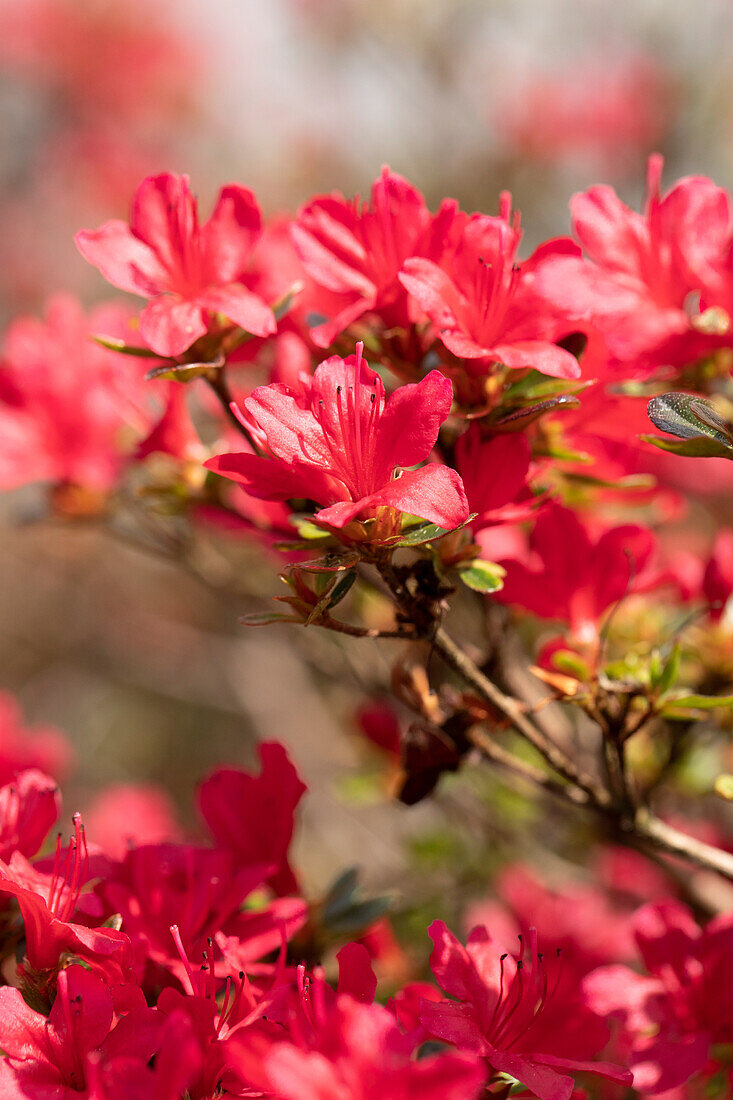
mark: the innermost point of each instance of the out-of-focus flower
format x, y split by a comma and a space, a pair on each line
29, 807
642, 269
253, 816
188, 273
66, 403
339, 443
21, 747
131, 814
571, 576
673, 1016
603, 110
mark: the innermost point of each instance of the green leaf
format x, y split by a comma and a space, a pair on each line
685, 703
114, 344
690, 448
330, 563
693, 419
670, 671
340, 894
518, 419
535, 387
483, 576
308, 530
285, 304
429, 532
185, 372
361, 915
333, 595
266, 618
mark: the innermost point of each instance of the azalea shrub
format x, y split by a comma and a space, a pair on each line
507, 475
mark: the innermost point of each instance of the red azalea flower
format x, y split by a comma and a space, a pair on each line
198, 888
252, 816
673, 1016
339, 442
342, 1045
65, 401
484, 304
495, 474
357, 250
569, 575
48, 902
131, 814
187, 272
29, 808
503, 1011
717, 581
641, 268
21, 747
50, 1057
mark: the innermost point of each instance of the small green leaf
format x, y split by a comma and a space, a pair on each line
266, 618
693, 419
518, 419
670, 671
429, 532
686, 703
113, 344
483, 576
185, 372
334, 594
340, 894
330, 563
690, 448
308, 530
361, 915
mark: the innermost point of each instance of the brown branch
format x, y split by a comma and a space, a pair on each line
514, 712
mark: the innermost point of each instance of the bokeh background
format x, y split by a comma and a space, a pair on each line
140, 662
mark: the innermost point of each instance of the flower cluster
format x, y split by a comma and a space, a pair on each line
409, 417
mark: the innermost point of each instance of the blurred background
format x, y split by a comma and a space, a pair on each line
140, 662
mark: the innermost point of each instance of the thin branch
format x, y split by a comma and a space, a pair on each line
512, 710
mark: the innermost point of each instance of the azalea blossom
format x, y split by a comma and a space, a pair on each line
571, 575
673, 1016
484, 303
340, 441
502, 1009
187, 272
642, 269
356, 250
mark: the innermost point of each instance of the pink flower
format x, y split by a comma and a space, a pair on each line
342, 1045
29, 808
495, 472
187, 272
571, 576
484, 304
503, 1010
339, 443
58, 916
129, 814
65, 402
717, 581
53, 1057
641, 268
673, 1016
357, 250
252, 816
44, 748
